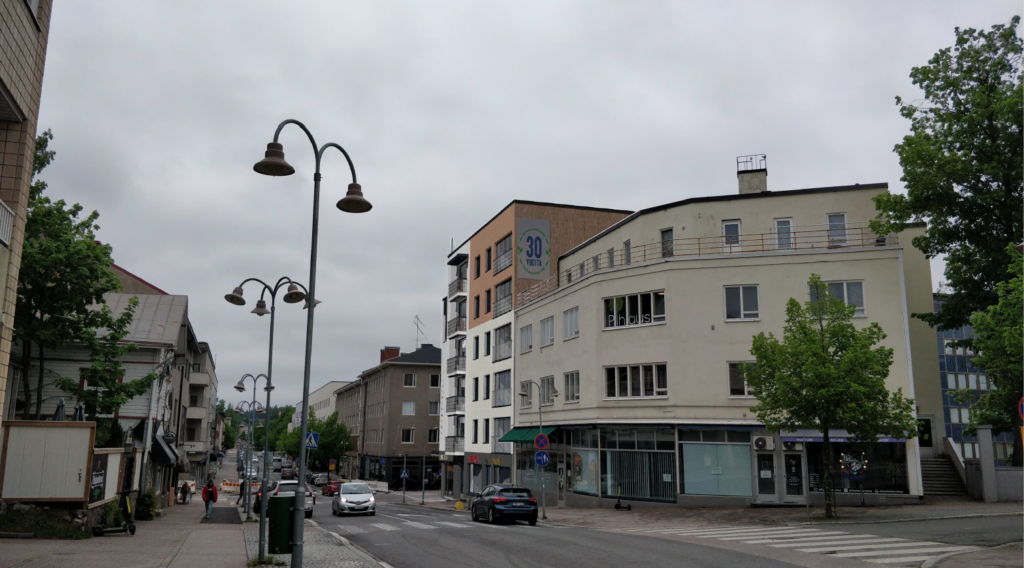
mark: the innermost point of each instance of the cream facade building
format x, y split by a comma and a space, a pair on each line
650, 318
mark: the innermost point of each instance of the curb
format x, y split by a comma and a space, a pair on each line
357, 549
932, 562
867, 522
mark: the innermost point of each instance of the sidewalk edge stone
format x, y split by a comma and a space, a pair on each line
934, 561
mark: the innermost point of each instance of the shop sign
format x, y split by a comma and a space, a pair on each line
496, 461
472, 458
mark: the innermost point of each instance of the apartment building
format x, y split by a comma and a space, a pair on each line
639, 333
24, 27
201, 415
510, 252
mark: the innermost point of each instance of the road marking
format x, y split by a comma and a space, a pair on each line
837, 540
900, 560
907, 551
793, 532
384, 526
869, 545
455, 525
722, 532
807, 539
348, 529
409, 515
418, 525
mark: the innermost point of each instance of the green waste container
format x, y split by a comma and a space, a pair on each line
280, 522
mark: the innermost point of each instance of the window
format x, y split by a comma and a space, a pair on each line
476, 306
409, 408
526, 399
731, 234
195, 367
476, 267
435, 408
503, 298
737, 383
476, 388
433, 435
572, 386
636, 381
408, 435
547, 331
783, 233
969, 450
547, 391
503, 343
409, 380
741, 303
595, 263
836, 229
487, 302
666, 242
502, 388
488, 267
526, 339
435, 381
611, 258
487, 343
487, 387
627, 252
571, 323
476, 347
850, 292
635, 309
487, 430
475, 440
501, 427
503, 254
959, 415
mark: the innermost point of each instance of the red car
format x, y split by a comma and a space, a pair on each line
331, 488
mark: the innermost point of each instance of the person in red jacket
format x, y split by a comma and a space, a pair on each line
209, 496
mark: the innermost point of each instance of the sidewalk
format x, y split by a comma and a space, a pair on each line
174, 540
321, 548
1010, 556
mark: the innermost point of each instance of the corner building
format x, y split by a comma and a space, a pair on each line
642, 328
513, 251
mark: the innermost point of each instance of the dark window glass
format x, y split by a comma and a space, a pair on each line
732, 304
610, 382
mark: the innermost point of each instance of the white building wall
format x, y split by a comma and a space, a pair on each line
478, 369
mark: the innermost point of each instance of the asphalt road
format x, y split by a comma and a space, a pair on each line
975, 531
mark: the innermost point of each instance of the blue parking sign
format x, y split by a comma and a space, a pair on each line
542, 458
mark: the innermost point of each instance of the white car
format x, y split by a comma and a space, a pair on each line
353, 498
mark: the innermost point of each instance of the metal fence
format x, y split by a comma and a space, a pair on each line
455, 444
456, 364
6, 224
456, 325
457, 286
455, 404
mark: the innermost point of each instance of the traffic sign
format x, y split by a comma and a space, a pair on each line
312, 440
541, 441
332, 461
404, 474
1020, 407
383, 461
542, 458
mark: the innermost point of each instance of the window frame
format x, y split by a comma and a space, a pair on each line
790, 239
434, 436
743, 310
627, 248
840, 237
431, 408
412, 435
626, 304
567, 319
413, 403
487, 387
846, 294
476, 347
746, 388
476, 306
476, 431
526, 339
552, 332
726, 238
611, 258
487, 301
526, 400
488, 265
405, 380
432, 385
476, 267
476, 389
667, 250
547, 389
572, 387
487, 344
617, 376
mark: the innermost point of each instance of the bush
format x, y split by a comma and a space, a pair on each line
112, 516
43, 523
145, 506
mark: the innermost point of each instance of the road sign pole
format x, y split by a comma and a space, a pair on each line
543, 501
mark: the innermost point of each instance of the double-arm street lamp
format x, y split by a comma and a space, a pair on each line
525, 392
251, 407
274, 164
292, 296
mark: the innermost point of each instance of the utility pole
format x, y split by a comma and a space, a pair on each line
405, 461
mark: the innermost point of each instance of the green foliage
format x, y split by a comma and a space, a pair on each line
962, 165
826, 374
44, 523
334, 440
112, 516
63, 272
220, 406
145, 506
229, 438
999, 333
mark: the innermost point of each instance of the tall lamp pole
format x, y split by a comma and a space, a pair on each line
274, 164
292, 296
252, 406
525, 392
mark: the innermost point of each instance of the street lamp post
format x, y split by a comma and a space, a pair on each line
525, 392
252, 406
274, 164
292, 296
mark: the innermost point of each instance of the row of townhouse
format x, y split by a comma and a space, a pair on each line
633, 325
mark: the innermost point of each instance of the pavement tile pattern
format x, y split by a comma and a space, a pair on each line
320, 549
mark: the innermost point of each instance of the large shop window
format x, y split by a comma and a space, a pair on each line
585, 477
715, 462
635, 309
636, 381
633, 467
886, 470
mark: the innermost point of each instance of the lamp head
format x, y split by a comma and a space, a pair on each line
354, 202
235, 297
294, 295
240, 387
554, 392
315, 302
273, 163
261, 308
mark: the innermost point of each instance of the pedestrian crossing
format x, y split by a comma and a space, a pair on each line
868, 548
361, 529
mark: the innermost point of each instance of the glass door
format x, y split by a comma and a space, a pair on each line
766, 478
561, 483
795, 478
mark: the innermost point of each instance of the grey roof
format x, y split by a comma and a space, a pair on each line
158, 318
427, 354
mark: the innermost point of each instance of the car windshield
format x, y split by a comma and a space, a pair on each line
355, 488
516, 492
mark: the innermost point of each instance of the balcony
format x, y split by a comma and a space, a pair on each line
455, 444
502, 351
456, 326
500, 447
459, 286
195, 378
197, 412
853, 235
6, 224
456, 365
503, 261
455, 404
502, 306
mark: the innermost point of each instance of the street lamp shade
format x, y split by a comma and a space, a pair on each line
294, 295
235, 297
240, 387
354, 202
273, 163
269, 388
554, 392
525, 391
261, 308
306, 305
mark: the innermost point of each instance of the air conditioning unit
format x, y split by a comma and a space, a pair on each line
793, 446
766, 443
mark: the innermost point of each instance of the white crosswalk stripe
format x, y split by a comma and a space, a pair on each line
824, 541
455, 525
418, 525
384, 526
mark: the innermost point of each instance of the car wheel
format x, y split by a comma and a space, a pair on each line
533, 522
309, 514
491, 519
472, 514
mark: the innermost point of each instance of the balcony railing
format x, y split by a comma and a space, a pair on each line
6, 224
455, 404
456, 364
502, 396
502, 351
803, 237
455, 444
457, 325
502, 306
503, 261
500, 447
458, 286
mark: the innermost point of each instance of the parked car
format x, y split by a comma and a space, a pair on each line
251, 472
287, 473
277, 465
509, 502
287, 488
330, 488
353, 498
320, 479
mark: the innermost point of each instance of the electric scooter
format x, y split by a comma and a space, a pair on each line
129, 524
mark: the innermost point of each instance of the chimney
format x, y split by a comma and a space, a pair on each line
389, 353
752, 172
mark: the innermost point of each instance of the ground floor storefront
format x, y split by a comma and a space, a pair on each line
418, 470
468, 474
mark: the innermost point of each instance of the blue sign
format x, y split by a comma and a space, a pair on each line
404, 474
542, 458
312, 440
383, 461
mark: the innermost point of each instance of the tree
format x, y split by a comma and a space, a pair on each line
229, 438
64, 271
962, 165
826, 374
999, 333
102, 388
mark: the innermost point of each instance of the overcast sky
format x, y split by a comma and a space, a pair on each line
449, 110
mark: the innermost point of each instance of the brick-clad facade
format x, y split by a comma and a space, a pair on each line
23, 39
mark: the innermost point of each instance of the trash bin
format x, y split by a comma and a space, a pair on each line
280, 522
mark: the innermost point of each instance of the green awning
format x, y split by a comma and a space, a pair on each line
525, 434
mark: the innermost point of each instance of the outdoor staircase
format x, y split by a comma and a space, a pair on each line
940, 477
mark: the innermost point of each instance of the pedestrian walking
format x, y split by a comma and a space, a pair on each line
241, 490
209, 496
185, 491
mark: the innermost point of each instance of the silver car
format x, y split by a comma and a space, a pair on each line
353, 498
